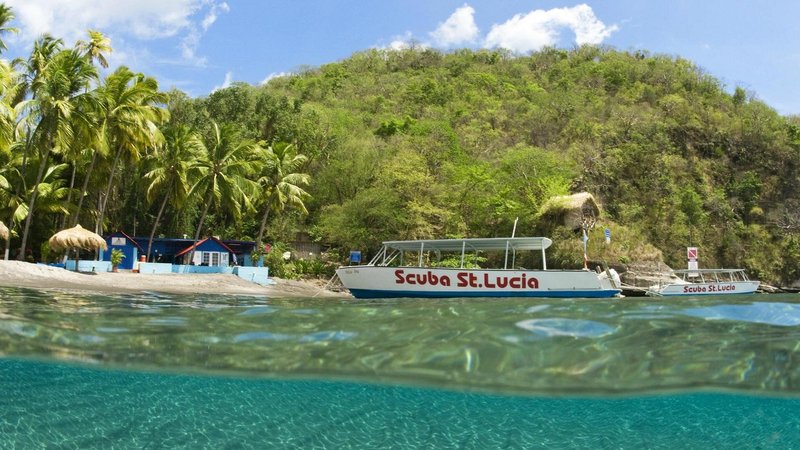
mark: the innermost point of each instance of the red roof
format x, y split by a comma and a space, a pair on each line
126, 237
194, 246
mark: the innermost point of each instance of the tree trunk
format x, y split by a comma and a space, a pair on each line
264, 221
25, 154
200, 225
28, 219
99, 226
23, 174
83, 190
69, 196
261, 228
155, 225
8, 241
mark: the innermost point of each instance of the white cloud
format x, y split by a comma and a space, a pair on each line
189, 45
540, 28
211, 17
404, 41
522, 33
139, 19
459, 28
225, 83
275, 75
400, 42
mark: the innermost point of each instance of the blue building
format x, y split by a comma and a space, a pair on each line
130, 248
209, 251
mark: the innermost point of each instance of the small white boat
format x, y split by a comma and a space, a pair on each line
390, 275
705, 282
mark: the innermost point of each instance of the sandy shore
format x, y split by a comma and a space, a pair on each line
23, 274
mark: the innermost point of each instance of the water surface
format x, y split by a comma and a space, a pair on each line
136, 371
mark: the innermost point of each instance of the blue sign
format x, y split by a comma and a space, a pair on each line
608, 233
355, 256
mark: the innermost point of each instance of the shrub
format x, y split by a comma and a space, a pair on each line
314, 267
116, 257
278, 267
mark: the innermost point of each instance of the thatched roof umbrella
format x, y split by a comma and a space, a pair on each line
570, 210
576, 212
3, 231
77, 237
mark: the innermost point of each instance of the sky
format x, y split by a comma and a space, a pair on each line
199, 46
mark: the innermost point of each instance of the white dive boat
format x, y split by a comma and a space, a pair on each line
705, 282
389, 275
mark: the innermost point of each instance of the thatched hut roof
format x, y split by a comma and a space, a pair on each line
3, 231
77, 237
569, 210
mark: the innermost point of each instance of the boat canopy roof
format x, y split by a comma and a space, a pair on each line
457, 245
682, 271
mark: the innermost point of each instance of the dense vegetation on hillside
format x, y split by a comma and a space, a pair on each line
410, 144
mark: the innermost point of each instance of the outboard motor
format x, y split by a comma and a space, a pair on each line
615, 278
609, 278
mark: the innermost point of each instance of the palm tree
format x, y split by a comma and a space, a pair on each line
51, 190
96, 47
280, 182
10, 87
12, 202
89, 143
58, 88
129, 122
220, 175
17, 188
6, 16
171, 165
84, 149
44, 50
85, 143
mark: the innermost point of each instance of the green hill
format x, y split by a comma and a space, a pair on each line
409, 144
419, 144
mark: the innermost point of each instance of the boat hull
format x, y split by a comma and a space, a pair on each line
389, 282
692, 289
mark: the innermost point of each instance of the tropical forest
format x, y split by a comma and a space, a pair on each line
404, 144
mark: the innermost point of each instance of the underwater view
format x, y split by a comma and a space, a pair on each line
172, 371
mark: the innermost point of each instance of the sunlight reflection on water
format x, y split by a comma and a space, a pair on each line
566, 327
780, 314
527, 346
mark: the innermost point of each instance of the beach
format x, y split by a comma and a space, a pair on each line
39, 276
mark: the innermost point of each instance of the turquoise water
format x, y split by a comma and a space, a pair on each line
160, 371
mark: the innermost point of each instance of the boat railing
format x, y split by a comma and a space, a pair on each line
378, 256
389, 259
394, 252
711, 275
384, 258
